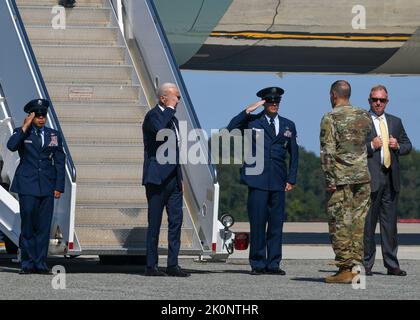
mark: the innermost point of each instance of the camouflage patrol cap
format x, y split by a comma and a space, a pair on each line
39, 106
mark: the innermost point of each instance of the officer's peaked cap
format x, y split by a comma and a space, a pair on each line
37, 106
270, 93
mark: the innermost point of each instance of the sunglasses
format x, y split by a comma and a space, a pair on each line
272, 101
38, 115
179, 97
382, 100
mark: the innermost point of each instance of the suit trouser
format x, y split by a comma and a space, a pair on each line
384, 208
266, 218
36, 215
158, 196
347, 208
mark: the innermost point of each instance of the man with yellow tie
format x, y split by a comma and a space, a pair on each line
388, 140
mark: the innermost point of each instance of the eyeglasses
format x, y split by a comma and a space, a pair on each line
38, 115
382, 100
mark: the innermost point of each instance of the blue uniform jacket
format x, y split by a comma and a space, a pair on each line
275, 173
41, 171
153, 171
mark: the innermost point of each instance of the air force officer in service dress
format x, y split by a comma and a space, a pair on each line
266, 191
39, 178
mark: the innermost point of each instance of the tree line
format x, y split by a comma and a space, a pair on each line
306, 202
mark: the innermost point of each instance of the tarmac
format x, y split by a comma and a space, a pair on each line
306, 266
86, 279
302, 240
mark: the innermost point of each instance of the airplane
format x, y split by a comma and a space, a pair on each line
362, 37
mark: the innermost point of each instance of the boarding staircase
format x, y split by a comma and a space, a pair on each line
101, 105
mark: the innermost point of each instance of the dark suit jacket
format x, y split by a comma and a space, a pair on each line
41, 171
275, 173
153, 171
396, 129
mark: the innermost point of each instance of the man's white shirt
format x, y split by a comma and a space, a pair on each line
376, 121
42, 134
276, 123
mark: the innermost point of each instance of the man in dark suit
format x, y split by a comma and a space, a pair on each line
388, 140
163, 181
266, 191
39, 178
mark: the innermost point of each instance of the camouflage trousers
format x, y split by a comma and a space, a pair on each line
347, 208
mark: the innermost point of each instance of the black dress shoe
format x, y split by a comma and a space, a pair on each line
26, 271
368, 272
397, 272
176, 272
276, 271
257, 271
154, 272
47, 272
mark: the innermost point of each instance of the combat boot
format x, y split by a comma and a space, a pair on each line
344, 275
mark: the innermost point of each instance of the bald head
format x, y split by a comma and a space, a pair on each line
168, 95
165, 88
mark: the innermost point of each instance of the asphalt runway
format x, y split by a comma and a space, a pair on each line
86, 279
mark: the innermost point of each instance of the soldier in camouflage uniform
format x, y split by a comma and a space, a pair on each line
343, 138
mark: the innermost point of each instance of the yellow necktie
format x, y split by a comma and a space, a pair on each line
385, 143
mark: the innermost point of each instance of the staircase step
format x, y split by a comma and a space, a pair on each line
134, 216
103, 113
79, 54
112, 216
102, 134
75, 74
51, 3
78, 16
112, 153
45, 35
126, 237
97, 173
110, 193
63, 92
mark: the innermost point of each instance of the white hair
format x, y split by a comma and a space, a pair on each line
163, 88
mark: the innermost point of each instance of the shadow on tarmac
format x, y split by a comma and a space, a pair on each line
318, 280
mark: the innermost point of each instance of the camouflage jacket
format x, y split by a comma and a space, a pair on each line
343, 138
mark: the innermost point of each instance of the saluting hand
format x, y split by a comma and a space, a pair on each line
254, 106
28, 121
172, 101
57, 194
393, 143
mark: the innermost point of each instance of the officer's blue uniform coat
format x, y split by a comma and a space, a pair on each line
41, 171
276, 173
266, 191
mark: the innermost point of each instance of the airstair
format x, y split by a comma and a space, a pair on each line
101, 88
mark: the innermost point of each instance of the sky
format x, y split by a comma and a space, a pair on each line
219, 96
